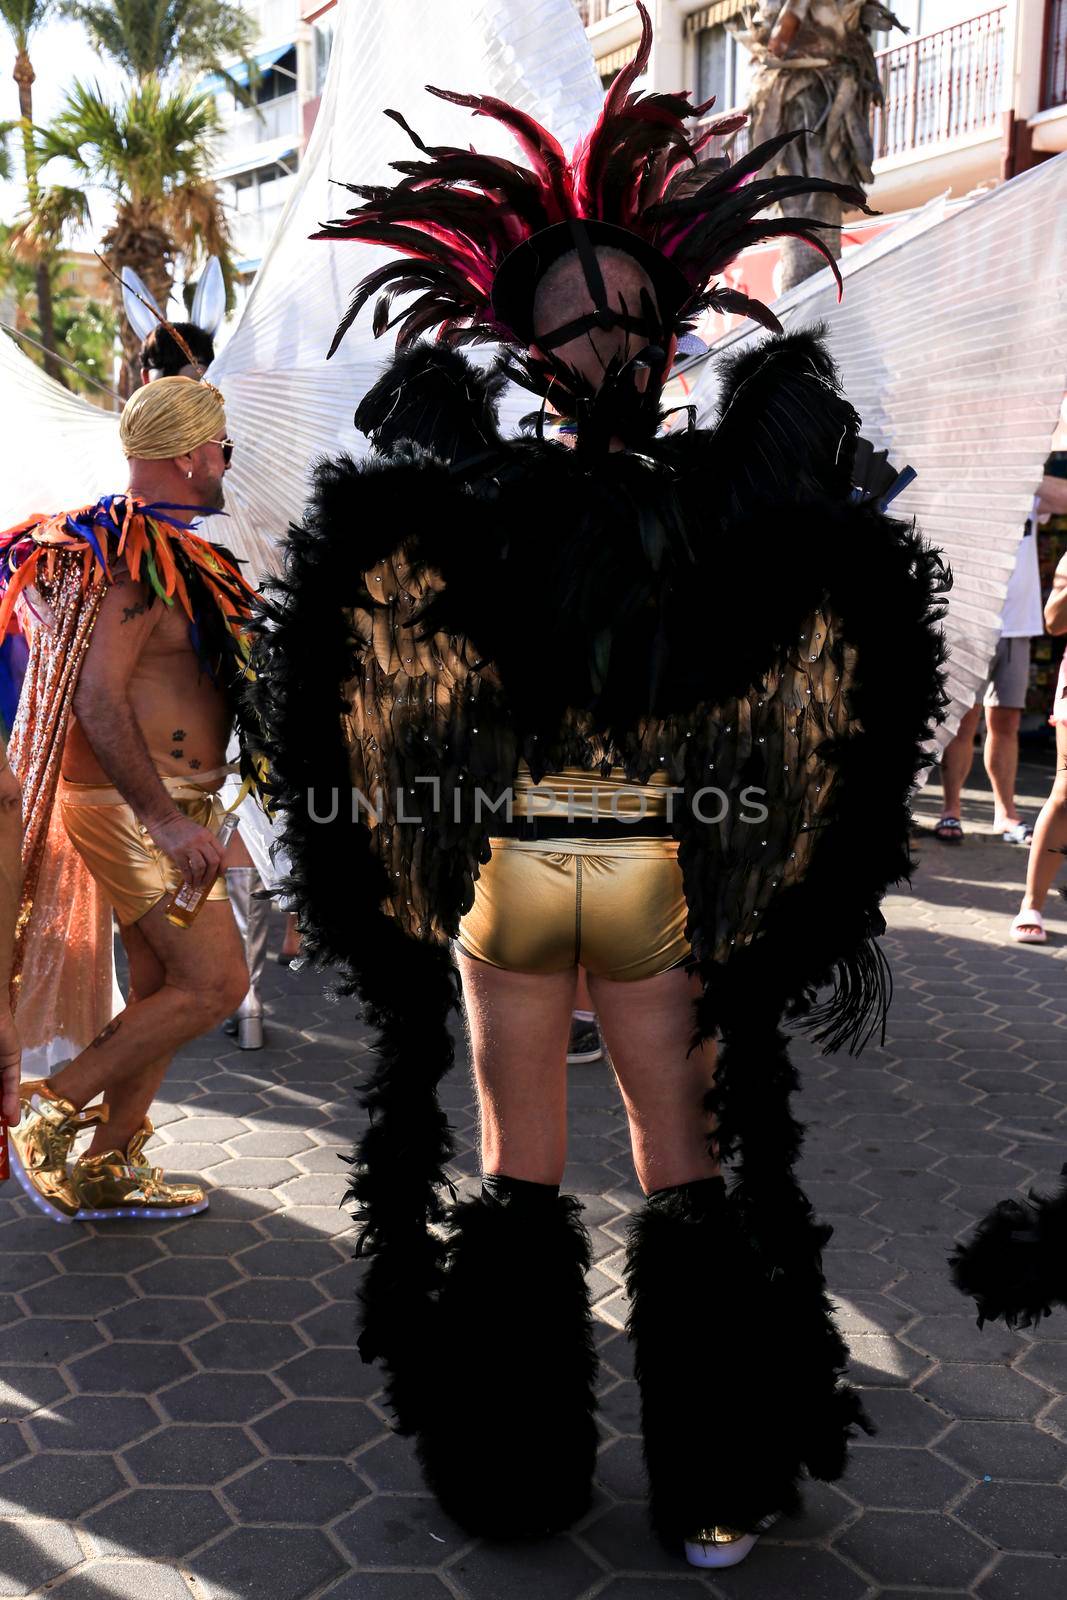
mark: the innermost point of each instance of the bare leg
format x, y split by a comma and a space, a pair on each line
519, 1026
956, 762
582, 1000
648, 1026
1002, 762
1050, 834
146, 976
206, 978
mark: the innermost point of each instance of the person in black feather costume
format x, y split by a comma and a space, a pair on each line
743, 655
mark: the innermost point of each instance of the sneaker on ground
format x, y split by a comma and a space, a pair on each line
586, 1043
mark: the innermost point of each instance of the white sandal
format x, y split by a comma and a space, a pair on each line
1028, 928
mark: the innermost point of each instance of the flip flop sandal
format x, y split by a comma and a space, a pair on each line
949, 830
1028, 928
1018, 833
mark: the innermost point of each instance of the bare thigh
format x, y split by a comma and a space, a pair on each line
147, 973
204, 958
519, 1027
649, 1026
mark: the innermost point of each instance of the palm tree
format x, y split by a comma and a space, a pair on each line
158, 38
23, 18
814, 68
149, 149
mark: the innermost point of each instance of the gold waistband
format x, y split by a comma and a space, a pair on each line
102, 794
577, 795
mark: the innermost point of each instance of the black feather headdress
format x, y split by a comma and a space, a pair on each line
479, 231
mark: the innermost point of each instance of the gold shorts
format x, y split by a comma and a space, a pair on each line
616, 908
132, 871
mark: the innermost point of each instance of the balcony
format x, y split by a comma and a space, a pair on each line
592, 11
1054, 75
276, 19
942, 86
251, 135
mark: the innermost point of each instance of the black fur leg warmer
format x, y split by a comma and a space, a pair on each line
511, 1446
1015, 1266
738, 1368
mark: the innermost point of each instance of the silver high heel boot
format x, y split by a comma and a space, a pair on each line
252, 915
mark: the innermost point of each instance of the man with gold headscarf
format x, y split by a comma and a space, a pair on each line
120, 745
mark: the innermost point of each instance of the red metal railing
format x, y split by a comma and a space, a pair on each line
1054, 74
940, 85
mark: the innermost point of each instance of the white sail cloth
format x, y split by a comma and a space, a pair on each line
952, 346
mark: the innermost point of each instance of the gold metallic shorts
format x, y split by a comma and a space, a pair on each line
614, 907
119, 852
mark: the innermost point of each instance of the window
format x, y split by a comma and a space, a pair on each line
277, 80
722, 68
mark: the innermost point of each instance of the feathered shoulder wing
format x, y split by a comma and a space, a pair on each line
368, 720
784, 430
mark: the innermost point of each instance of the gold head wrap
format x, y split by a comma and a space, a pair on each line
171, 417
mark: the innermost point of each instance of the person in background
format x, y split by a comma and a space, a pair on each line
1004, 700
1050, 832
151, 673
163, 357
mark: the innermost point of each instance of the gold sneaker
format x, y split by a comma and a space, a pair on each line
723, 1547
41, 1144
120, 1183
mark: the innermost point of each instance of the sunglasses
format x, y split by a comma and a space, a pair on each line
226, 446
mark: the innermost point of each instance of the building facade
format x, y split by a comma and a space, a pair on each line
258, 152
973, 93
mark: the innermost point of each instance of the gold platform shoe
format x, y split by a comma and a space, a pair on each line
41, 1144
120, 1183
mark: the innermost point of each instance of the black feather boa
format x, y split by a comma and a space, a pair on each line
620, 602
1015, 1266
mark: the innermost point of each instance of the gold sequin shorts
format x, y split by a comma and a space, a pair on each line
132, 871
614, 907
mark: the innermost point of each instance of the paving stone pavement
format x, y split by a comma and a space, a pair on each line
182, 1412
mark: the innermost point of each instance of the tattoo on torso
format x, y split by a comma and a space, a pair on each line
128, 612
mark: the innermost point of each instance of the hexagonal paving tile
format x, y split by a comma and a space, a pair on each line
330, 1372
1005, 1450
1024, 1578
554, 1567
93, 1422
78, 1294
53, 1485
297, 1491
246, 1346
163, 1317
319, 1428
977, 1390
1030, 1517
130, 1368
214, 1397
269, 1300
389, 1586
914, 1548
905, 1479
157, 1522
36, 1553
125, 1580
190, 1454
299, 1560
